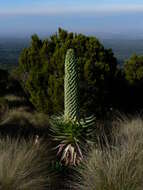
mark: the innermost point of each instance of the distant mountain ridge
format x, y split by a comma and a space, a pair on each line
10, 49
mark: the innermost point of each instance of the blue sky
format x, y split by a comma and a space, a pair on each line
100, 17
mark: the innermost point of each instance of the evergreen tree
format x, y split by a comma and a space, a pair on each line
134, 69
41, 71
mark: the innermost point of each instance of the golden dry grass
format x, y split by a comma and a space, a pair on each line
117, 166
23, 165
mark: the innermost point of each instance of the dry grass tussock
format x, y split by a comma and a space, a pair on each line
22, 117
23, 165
117, 166
11, 97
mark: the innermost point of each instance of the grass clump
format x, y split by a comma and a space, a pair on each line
23, 166
116, 166
18, 122
11, 97
21, 117
16, 101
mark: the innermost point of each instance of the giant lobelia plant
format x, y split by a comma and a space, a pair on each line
70, 130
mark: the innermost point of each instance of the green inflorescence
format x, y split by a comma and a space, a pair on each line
71, 87
71, 91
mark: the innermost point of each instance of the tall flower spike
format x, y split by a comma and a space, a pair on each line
71, 130
71, 87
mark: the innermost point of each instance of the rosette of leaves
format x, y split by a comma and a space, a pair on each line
71, 137
69, 130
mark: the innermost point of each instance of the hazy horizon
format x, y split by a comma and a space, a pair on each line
105, 18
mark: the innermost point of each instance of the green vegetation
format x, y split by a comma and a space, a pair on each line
49, 138
3, 81
41, 71
134, 69
71, 88
70, 129
70, 138
3, 106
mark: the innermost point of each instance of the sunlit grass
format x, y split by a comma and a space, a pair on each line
23, 165
116, 166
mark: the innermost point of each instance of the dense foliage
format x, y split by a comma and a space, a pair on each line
41, 71
103, 85
134, 69
115, 162
3, 81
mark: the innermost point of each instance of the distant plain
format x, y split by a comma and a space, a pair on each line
10, 49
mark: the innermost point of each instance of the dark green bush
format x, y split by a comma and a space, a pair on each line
3, 81
134, 69
3, 106
41, 71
